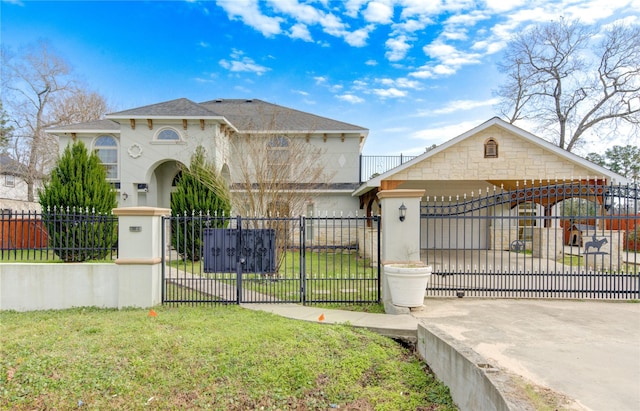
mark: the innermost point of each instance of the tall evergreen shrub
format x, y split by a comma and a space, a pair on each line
201, 200
76, 205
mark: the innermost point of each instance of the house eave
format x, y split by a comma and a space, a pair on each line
82, 131
267, 132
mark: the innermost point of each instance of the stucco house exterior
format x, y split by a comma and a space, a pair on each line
143, 148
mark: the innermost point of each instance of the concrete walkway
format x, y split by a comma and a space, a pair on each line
588, 351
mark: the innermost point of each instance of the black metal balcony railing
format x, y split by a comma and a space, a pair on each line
372, 166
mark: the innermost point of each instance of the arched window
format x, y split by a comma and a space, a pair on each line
106, 147
278, 158
168, 134
491, 148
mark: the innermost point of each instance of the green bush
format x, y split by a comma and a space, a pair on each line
76, 207
200, 191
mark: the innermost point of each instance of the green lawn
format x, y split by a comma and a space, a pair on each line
37, 256
221, 358
327, 274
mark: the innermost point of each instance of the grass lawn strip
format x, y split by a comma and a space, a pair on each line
223, 358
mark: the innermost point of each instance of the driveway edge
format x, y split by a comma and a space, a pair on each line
474, 383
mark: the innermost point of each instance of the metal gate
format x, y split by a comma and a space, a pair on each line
233, 260
544, 240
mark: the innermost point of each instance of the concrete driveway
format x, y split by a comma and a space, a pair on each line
587, 350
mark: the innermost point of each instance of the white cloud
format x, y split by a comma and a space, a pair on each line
444, 132
378, 12
397, 48
371, 62
447, 60
300, 31
352, 7
411, 25
358, 38
360, 84
458, 106
350, 98
320, 80
300, 12
401, 82
391, 92
502, 6
249, 12
241, 63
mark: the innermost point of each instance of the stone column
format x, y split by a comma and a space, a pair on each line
548, 242
140, 255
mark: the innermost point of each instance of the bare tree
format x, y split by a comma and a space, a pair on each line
79, 107
276, 175
39, 92
571, 79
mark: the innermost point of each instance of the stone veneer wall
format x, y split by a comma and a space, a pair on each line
517, 159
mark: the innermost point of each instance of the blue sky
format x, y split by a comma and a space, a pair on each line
414, 72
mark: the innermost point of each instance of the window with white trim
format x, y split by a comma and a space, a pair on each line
9, 180
168, 134
106, 148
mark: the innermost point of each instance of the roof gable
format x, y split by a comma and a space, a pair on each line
178, 108
452, 159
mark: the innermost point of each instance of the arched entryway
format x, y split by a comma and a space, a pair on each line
161, 184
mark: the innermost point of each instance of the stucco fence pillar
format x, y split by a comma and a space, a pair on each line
135, 280
400, 240
140, 255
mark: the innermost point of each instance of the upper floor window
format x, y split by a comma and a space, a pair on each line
106, 148
9, 180
491, 148
278, 157
168, 134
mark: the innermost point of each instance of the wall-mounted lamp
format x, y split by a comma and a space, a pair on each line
125, 196
608, 200
403, 211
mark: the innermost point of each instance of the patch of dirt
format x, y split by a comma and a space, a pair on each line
543, 398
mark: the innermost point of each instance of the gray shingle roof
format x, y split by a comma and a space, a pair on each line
97, 125
174, 108
258, 115
246, 115
10, 166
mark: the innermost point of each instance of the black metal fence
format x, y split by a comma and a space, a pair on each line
61, 234
371, 166
308, 260
545, 240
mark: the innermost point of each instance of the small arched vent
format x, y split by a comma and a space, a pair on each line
491, 148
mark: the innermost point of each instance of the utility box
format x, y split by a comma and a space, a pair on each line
225, 248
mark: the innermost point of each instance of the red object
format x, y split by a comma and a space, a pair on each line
152, 313
321, 318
